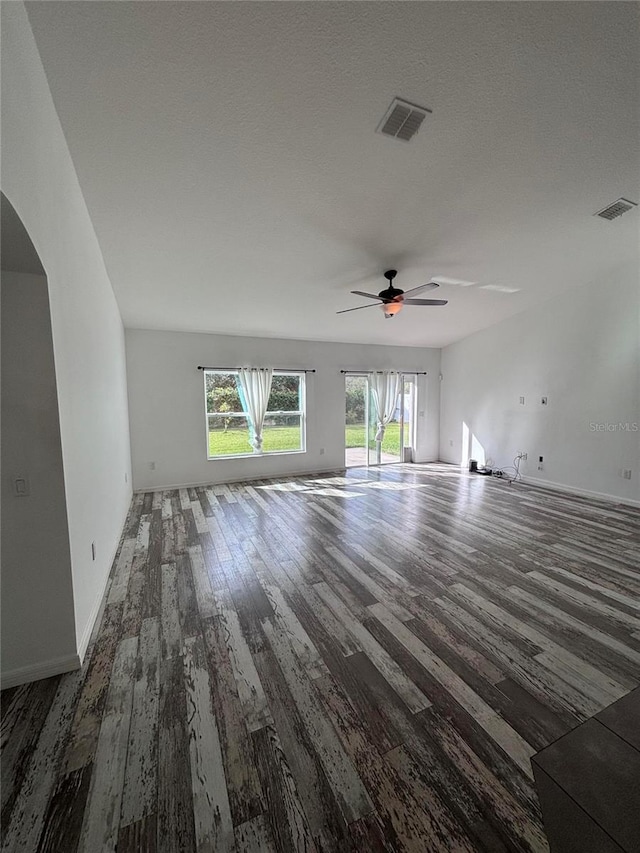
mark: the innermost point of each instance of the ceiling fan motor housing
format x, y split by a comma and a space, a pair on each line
391, 293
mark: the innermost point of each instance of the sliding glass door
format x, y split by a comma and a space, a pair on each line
361, 425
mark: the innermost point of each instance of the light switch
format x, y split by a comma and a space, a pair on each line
20, 487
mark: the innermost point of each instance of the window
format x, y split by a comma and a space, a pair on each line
229, 432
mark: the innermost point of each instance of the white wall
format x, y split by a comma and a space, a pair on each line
39, 179
37, 594
166, 402
581, 351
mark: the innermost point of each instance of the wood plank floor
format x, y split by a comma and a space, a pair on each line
339, 663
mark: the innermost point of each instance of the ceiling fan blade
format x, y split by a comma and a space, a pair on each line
372, 305
368, 295
424, 301
423, 287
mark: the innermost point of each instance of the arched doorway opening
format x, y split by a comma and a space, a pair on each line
38, 632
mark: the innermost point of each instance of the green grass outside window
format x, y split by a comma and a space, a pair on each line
288, 438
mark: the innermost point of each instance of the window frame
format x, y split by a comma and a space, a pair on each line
301, 413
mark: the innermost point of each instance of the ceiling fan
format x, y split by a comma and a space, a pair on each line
392, 300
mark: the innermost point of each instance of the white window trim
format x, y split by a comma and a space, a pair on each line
302, 414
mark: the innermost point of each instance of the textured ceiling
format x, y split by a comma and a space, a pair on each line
228, 158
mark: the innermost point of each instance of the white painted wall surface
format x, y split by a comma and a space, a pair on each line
166, 402
39, 179
581, 351
37, 593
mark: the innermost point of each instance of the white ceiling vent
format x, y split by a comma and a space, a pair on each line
402, 120
612, 211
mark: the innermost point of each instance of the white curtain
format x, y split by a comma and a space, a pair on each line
256, 388
385, 388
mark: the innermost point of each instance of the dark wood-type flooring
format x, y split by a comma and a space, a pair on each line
339, 663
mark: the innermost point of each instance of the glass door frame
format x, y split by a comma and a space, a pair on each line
411, 378
350, 374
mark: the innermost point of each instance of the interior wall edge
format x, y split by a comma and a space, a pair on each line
83, 642
39, 177
34, 672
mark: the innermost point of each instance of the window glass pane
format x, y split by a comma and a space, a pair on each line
228, 435
355, 435
222, 393
282, 432
285, 394
355, 397
229, 432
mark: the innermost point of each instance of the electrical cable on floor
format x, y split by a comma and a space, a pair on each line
499, 472
515, 468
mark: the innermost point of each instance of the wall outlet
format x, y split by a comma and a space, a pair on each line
93, 550
540, 465
152, 466
522, 401
626, 473
543, 401
523, 456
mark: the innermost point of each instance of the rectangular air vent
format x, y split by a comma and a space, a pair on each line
612, 211
402, 120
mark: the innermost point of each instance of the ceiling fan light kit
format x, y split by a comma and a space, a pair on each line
391, 308
392, 300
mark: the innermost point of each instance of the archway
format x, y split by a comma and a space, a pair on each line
38, 630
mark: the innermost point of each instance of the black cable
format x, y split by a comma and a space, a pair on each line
515, 468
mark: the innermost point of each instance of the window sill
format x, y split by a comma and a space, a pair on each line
256, 455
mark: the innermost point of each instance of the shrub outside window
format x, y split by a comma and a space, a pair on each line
229, 432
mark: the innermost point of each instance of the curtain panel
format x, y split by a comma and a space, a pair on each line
385, 388
255, 386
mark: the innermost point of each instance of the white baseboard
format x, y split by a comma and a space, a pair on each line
247, 479
83, 644
574, 490
36, 671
